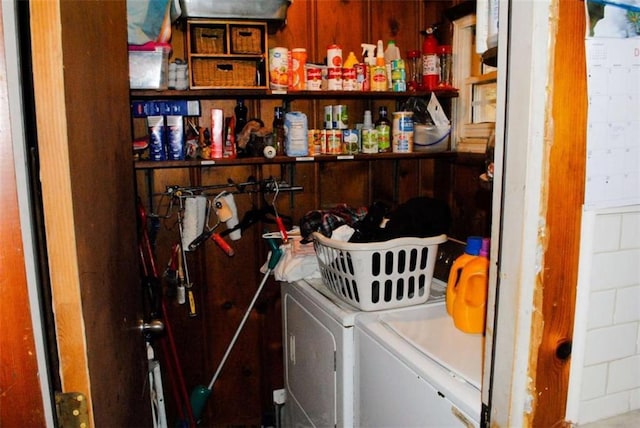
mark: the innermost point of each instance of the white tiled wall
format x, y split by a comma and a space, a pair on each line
605, 374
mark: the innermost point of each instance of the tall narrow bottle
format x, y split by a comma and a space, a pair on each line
278, 130
241, 116
383, 128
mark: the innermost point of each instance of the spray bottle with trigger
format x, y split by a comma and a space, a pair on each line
369, 60
379, 70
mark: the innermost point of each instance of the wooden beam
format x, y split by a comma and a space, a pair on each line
566, 136
51, 122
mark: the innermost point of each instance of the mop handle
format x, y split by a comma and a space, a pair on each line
235, 336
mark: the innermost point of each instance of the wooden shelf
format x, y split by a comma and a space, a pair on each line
269, 94
203, 163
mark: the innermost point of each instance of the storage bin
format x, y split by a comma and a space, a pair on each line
208, 40
378, 275
148, 66
246, 40
431, 138
218, 72
256, 9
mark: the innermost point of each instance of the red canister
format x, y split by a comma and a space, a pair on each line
334, 79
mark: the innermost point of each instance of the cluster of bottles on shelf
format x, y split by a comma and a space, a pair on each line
338, 137
467, 286
237, 136
379, 69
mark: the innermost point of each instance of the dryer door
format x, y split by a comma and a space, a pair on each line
310, 375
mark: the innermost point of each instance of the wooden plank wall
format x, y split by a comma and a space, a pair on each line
224, 286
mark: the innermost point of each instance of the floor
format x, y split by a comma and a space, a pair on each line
627, 420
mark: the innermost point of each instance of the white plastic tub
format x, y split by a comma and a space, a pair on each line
257, 9
431, 138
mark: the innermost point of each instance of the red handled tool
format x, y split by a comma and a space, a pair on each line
279, 222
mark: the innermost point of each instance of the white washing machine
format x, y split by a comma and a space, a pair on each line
415, 369
319, 354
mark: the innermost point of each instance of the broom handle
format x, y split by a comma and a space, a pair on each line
235, 336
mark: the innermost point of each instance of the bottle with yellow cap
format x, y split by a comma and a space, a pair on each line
349, 72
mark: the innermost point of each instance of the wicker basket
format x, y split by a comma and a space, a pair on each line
209, 72
208, 40
378, 275
246, 40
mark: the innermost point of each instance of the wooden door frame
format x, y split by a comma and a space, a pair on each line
51, 122
539, 202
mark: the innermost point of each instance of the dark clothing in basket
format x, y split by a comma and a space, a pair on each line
326, 221
419, 217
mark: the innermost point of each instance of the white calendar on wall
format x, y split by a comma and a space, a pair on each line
613, 122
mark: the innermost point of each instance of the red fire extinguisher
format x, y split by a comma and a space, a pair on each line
430, 74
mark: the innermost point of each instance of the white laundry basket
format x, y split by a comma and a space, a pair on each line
378, 275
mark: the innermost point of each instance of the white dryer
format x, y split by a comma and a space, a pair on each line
319, 353
319, 356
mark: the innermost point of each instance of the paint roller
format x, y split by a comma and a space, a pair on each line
233, 220
223, 214
193, 221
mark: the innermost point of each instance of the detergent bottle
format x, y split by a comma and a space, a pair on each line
470, 304
471, 252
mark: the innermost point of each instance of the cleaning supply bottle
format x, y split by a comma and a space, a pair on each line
471, 252
349, 72
391, 53
369, 134
379, 71
470, 304
369, 60
383, 129
430, 72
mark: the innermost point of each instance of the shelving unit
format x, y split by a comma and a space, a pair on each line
263, 93
227, 54
289, 160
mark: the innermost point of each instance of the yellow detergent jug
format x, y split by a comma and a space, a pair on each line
470, 304
471, 252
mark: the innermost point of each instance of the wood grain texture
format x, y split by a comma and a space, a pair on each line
567, 135
18, 365
80, 70
56, 187
243, 393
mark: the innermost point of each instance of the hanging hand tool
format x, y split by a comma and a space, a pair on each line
281, 228
209, 232
168, 349
187, 282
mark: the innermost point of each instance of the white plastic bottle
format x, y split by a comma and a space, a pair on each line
369, 135
391, 53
